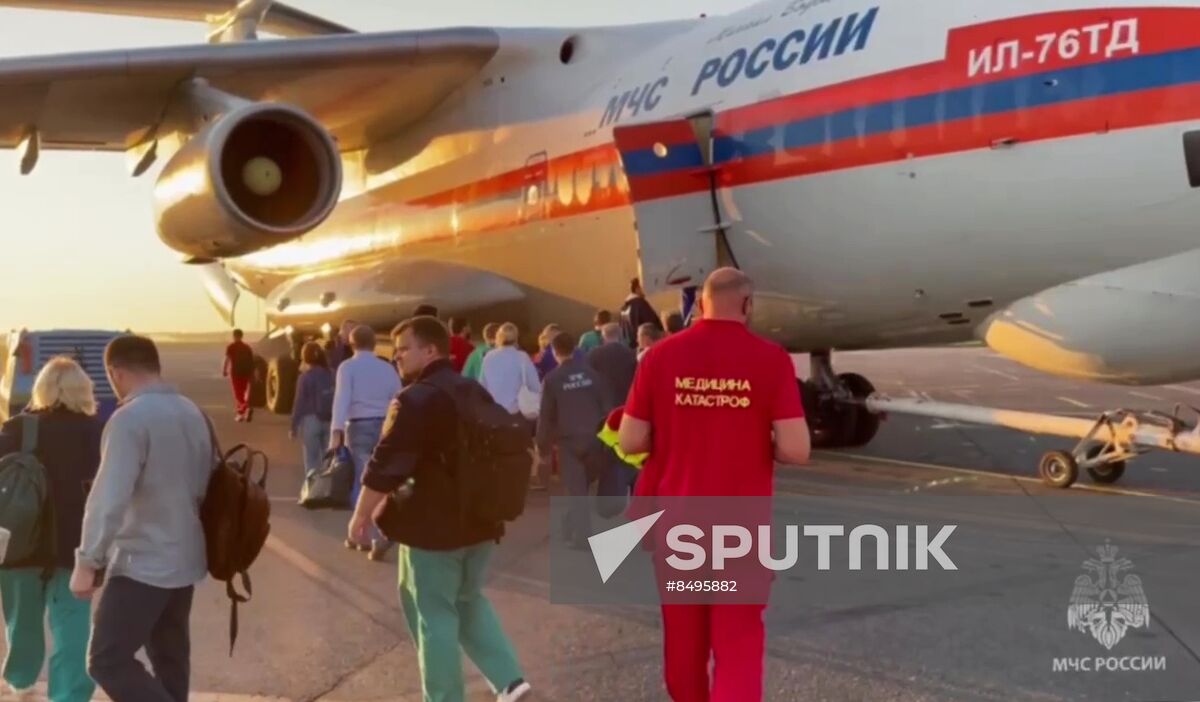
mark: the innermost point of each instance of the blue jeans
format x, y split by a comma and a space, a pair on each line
314, 436
361, 438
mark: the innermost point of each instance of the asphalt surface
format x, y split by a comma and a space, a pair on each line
324, 623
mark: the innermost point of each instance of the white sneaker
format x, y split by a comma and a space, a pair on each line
515, 691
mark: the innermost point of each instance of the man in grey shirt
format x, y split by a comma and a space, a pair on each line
142, 530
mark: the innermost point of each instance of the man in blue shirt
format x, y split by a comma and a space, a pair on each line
364, 389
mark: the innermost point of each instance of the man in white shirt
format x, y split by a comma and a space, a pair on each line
507, 370
365, 388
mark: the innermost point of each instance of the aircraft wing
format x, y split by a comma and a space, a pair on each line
362, 87
280, 19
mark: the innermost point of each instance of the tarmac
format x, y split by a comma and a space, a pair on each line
324, 623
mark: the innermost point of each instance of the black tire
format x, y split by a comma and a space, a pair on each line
1058, 469
1108, 473
866, 423
258, 386
831, 424
282, 375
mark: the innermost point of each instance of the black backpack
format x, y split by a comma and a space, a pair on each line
492, 459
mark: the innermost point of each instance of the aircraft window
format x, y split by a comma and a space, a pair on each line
565, 186
1191, 156
603, 176
583, 183
567, 52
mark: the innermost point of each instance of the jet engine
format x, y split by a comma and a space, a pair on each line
1134, 326
258, 176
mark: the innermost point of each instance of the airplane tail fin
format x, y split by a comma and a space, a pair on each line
228, 20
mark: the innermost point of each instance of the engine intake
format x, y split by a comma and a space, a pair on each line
260, 175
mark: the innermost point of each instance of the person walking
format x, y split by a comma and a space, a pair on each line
60, 428
239, 368
443, 557
593, 338
312, 410
636, 311
715, 406
544, 359
474, 365
615, 361
575, 402
364, 389
461, 347
142, 530
507, 371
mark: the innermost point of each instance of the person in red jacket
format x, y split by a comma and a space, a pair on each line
460, 343
239, 368
715, 406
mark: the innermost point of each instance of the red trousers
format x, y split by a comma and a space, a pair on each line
733, 634
241, 393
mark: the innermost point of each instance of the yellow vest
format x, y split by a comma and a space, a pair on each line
610, 438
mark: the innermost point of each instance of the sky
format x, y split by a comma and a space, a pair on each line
80, 249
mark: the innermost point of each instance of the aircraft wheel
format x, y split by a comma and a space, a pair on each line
258, 386
866, 423
1107, 473
282, 375
831, 424
1058, 469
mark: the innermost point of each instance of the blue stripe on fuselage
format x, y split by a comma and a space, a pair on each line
1025, 92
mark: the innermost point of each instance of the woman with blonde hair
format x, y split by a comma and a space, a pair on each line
61, 427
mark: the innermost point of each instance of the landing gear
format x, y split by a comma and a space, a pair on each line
1105, 444
282, 375
258, 386
1104, 460
834, 404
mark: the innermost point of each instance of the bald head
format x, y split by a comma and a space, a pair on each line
725, 293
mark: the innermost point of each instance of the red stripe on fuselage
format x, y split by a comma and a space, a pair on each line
496, 200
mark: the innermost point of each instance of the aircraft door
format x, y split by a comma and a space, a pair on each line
536, 182
672, 185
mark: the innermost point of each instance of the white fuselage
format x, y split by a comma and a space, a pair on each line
901, 192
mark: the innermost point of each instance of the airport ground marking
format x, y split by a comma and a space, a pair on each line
1077, 403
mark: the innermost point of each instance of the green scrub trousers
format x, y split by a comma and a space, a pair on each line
441, 595
26, 601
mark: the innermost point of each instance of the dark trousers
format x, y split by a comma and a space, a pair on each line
129, 616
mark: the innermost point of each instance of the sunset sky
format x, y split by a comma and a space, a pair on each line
79, 242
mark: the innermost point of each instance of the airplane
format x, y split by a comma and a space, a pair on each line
889, 174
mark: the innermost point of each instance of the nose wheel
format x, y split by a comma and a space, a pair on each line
838, 416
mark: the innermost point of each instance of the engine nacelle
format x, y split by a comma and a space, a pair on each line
1135, 326
260, 175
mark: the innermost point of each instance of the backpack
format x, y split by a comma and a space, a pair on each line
491, 462
236, 515
25, 507
242, 361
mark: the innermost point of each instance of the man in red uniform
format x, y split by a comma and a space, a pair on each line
715, 406
239, 368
